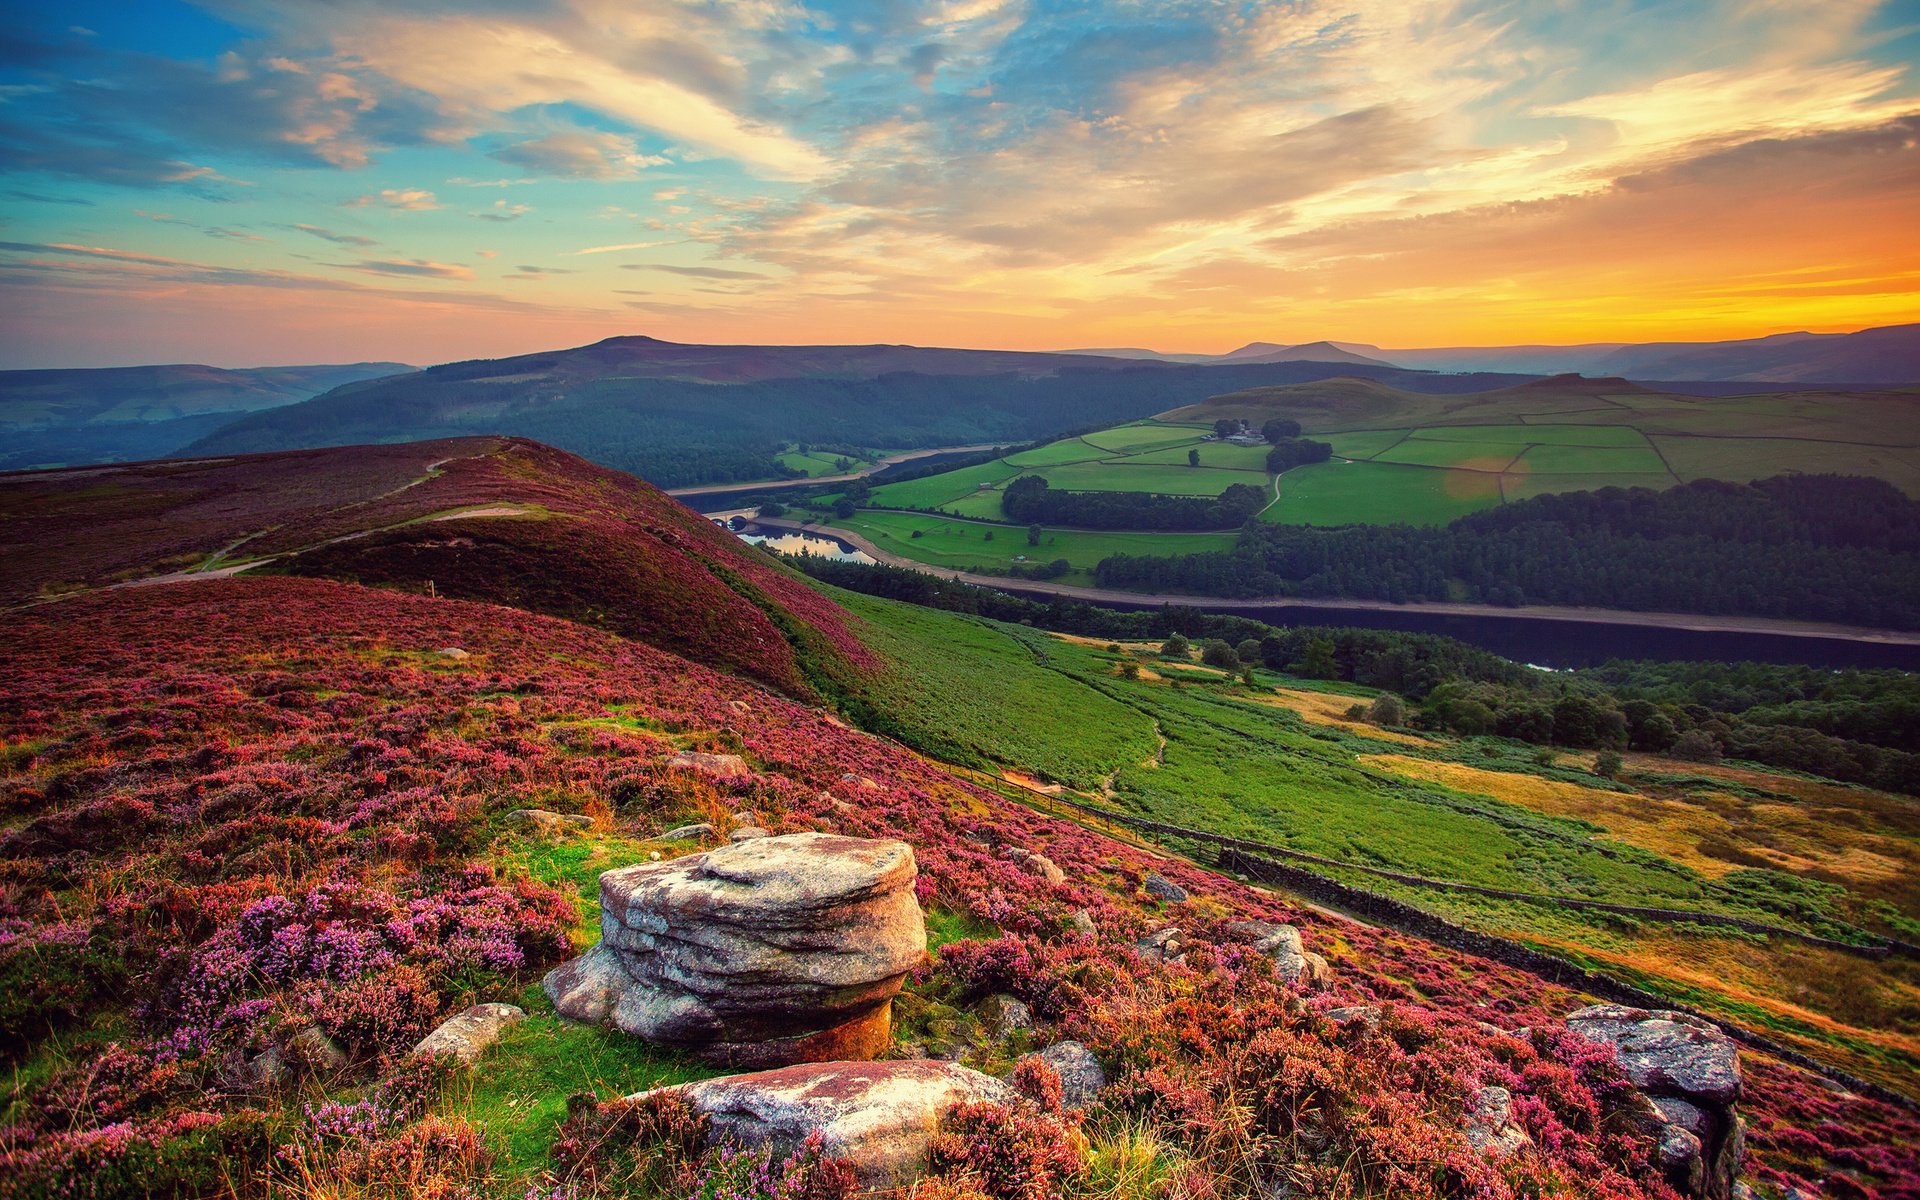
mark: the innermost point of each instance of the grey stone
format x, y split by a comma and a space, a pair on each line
320, 1052
1490, 1126
1082, 922
747, 833
880, 1116
547, 821
1002, 1015
1366, 1014
687, 833
1082, 1078
725, 766
1161, 888
467, 1034
454, 653
1293, 964
1665, 1053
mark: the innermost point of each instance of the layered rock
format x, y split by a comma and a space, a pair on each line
1293, 964
881, 1116
1689, 1072
762, 952
469, 1033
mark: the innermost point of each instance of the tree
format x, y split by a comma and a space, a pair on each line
844, 507
1216, 653
1226, 427
1246, 676
1280, 427
1317, 662
988, 536
1697, 745
1606, 764
1176, 646
1193, 458
1387, 709
1033, 535
773, 508
1249, 650
1129, 670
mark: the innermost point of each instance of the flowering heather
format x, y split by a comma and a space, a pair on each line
239, 807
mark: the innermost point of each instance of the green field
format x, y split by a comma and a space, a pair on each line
1212, 454
1128, 475
1346, 493
964, 545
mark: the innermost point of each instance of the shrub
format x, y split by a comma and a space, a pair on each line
1387, 709
1216, 653
1697, 745
1176, 646
1607, 764
1015, 1152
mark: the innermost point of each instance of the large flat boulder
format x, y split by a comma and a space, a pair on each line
881, 1116
762, 952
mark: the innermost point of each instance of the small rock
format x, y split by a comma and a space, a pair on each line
747, 833
687, 833
1367, 1014
547, 821
739, 706
1161, 888
746, 817
726, 766
241, 1072
1081, 1076
880, 1116
467, 1034
1083, 922
1490, 1124
1003, 1014
1682, 1160
1037, 864
452, 652
320, 1053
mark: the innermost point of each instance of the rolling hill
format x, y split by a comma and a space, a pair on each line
120, 413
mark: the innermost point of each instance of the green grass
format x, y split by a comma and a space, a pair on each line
1362, 443
1070, 451
935, 490
963, 545
520, 1088
1123, 476
1478, 456
1337, 493
1131, 439
973, 691
815, 465
1523, 435
1592, 460
1212, 454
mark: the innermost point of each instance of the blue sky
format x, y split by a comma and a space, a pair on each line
250, 181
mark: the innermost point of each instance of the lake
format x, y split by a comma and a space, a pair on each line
787, 541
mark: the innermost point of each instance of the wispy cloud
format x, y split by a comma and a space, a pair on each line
402, 199
417, 267
695, 272
338, 239
618, 247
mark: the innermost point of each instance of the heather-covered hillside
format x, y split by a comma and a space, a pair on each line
241, 809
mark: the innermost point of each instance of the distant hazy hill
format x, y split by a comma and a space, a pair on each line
118, 413
684, 414
1886, 355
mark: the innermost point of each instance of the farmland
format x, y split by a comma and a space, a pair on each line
976, 545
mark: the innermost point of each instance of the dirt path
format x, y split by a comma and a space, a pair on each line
1694, 622
708, 489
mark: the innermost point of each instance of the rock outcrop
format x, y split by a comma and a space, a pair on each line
881, 1116
1293, 964
763, 952
1690, 1074
1161, 888
725, 766
1082, 1078
1491, 1128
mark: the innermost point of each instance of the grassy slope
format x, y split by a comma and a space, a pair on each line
1270, 764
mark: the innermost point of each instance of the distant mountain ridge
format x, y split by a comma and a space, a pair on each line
1888, 354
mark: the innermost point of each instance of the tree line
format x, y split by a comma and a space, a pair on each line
1815, 547
1029, 499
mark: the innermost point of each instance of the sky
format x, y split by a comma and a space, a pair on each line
253, 182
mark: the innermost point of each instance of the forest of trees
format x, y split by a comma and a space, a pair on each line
1816, 547
1029, 499
1854, 726
1291, 452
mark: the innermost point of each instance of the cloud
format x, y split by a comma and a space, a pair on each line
417, 267
694, 272
338, 239
618, 247
580, 154
502, 211
526, 272
403, 199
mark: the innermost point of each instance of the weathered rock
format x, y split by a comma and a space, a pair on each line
746, 817
239, 1071
773, 950
1002, 1015
1689, 1072
467, 1034
1161, 888
687, 833
739, 706
1167, 944
1293, 964
1037, 864
547, 821
1490, 1125
1365, 1014
747, 833
1082, 1078
880, 1116
1082, 922
454, 653
723, 765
